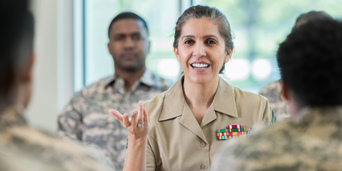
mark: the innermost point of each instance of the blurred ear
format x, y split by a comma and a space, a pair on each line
24, 90
108, 47
175, 50
149, 46
228, 55
284, 91
27, 69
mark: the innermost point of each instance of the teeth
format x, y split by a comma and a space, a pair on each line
200, 65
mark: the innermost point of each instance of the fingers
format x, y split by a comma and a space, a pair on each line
134, 118
126, 122
117, 114
145, 118
140, 113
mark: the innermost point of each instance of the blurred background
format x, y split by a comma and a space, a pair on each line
71, 43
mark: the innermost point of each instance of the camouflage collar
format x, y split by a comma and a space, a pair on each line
147, 78
11, 117
174, 105
321, 114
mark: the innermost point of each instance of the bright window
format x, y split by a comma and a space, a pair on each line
258, 27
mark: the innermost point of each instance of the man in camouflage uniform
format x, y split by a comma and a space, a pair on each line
310, 61
272, 90
86, 118
23, 148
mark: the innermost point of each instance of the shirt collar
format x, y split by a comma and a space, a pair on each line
319, 114
224, 100
148, 78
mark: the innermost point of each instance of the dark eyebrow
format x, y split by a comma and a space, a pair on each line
209, 36
185, 36
206, 36
130, 34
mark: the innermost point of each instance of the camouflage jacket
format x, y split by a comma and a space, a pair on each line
272, 93
23, 148
87, 119
312, 142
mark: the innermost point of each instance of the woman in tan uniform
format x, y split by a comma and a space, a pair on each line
181, 130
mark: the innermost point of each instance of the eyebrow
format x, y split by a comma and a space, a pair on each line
206, 36
130, 34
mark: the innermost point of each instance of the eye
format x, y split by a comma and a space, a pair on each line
210, 42
118, 38
136, 37
189, 41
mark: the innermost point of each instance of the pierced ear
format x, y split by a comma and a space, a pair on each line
175, 50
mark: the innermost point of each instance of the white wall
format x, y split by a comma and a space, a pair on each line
53, 68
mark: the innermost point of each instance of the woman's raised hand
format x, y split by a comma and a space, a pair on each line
138, 125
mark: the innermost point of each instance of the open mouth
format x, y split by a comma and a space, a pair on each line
200, 66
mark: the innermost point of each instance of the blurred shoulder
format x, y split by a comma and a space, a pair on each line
41, 146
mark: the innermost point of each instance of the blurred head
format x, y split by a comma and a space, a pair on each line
16, 52
310, 61
128, 42
216, 16
311, 15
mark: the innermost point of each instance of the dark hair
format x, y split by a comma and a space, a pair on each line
214, 14
311, 15
310, 61
16, 42
127, 15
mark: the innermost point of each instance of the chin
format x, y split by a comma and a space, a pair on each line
202, 79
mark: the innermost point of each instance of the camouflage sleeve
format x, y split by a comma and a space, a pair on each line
70, 122
225, 160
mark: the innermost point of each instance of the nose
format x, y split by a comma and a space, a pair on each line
129, 43
199, 50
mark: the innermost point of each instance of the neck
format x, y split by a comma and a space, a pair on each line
200, 95
129, 77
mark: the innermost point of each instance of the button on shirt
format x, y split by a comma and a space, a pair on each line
176, 141
87, 119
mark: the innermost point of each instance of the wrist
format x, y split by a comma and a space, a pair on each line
137, 141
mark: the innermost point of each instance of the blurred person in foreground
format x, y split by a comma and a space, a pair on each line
85, 118
310, 62
181, 132
21, 146
272, 90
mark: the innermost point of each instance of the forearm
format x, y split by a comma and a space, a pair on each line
136, 155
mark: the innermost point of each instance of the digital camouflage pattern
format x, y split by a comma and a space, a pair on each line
87, 119
312, 142
23, 148
272, 93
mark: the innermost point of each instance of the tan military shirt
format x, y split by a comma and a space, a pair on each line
311, 142
177, 142
23, 148
279, 107
87, 119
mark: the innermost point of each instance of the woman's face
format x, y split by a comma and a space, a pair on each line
201, 50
